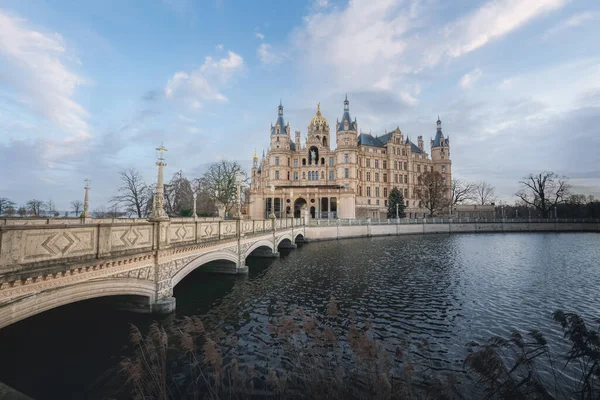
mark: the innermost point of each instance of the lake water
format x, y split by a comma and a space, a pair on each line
446, 289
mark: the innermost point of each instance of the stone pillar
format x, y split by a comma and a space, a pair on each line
195, 198
158, 209
221, 210
86, 208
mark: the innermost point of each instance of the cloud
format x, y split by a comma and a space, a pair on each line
260, 35
572, 21
321, 3
266, 54
40, 76
205, 83
490, 22
470, 78
219, 47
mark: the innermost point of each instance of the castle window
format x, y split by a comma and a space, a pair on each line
296, 162
368, 163
322, 174
360, 190
288, 162
376, 176
395, 164
385, 193
385, 178
404, 152
322, 160
346, 157
376, 163
384, 164
444, 181
304, 161
376, 192
405, 178
324, 141
295, 176
396, 178
368, 176
346, 173
368, 191
418, 168
407, 203
405, 166
303, 175
368, 201
276, 175
331, 175
377, 202
276, 160
316, 175
443, 169
431, 169
331, 161
385, 203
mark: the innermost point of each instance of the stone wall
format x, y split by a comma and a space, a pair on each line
366, 230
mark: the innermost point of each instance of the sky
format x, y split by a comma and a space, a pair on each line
90, 87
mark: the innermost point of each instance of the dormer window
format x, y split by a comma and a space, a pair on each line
346, 126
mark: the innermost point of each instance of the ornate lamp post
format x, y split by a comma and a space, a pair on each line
238, 214
86, 209
396, 210
195, 196
158, 209
272, 215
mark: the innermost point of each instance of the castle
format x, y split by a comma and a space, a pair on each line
352, 181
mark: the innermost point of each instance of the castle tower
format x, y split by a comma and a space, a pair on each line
347, 149
440, 154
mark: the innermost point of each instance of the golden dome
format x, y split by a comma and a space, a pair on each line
319, 119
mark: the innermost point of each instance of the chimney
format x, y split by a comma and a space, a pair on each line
298, 145
420, 142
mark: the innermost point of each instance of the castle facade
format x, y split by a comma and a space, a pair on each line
353, 180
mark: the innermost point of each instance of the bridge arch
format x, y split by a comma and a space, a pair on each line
285, 237
31, 305
298, 237
203, 259
260, 243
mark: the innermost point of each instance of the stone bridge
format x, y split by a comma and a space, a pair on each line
47, 266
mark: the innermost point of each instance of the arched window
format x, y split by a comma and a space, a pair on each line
322, 174
324, 141
322, 161
304, 161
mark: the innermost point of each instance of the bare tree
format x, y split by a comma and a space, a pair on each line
220, 182
10, 212
77, 206
134, 195
5, 204
51, 208
99, 212
35, 207
460, 192
178, 194
432, 192
22, 211
544, 191
484, 193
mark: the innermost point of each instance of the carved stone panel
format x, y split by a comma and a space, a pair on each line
131, 237
49, 244
208, 230
181, 232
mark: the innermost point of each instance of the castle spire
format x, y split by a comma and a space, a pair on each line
280, 108
439, 124
346, 103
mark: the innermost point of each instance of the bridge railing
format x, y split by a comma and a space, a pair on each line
30, 245
405, 221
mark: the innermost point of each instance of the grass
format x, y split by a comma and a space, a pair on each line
317, 357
